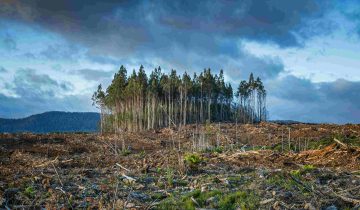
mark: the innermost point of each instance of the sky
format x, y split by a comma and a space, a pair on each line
53, 54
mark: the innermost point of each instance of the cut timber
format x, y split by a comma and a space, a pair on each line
264, 202
129, 179
341, 143
346, 199
122, 167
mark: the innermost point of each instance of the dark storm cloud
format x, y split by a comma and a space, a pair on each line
29, 84
181, 34
263, 67
295, 89
300, 99
272, 20
343, 90
120, 27
106, 26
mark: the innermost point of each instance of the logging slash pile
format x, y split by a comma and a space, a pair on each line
215, 166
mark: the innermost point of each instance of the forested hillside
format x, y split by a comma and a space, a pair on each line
53, 122
138, 102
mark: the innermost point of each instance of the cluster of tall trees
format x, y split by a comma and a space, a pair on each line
138, 102
251, 100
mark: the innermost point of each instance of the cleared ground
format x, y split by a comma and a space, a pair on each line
217, 166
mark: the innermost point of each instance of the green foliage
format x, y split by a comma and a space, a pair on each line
319, 144
239, 200
219, 149
30, 192
170, 176
212, 199
193, 160
308, 168
295, 173
304, 169
142, 154
125, 152
285, 181
168, 204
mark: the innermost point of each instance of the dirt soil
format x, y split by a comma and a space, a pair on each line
218, 166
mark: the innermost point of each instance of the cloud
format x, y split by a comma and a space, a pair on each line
94, 74
2, 70
35, 93
103, 59
29, 55
300, 99
185, 35
122, 27
61, 52
294, 89
30, 85
351, 11
9, 43
25, 107
265, 67
273, 20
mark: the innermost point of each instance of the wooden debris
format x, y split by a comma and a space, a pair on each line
264, 202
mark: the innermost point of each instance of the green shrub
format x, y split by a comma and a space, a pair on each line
30, 192
219, 149
193, 161
308, 168
170, 176
125, 152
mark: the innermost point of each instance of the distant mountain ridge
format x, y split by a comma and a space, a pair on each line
290, 122
54, 121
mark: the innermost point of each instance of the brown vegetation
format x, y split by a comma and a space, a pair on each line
215, 166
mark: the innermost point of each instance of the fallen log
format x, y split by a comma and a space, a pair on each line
341, 144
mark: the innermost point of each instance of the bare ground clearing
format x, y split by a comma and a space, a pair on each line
247, 166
